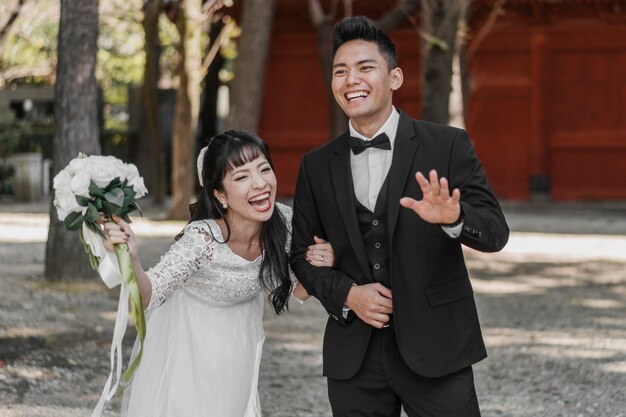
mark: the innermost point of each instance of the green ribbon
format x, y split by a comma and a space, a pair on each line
136, 304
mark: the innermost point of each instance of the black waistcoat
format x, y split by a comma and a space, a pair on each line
375, 235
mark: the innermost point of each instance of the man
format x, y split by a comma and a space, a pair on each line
403, 328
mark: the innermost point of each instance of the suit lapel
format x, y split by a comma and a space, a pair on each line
404, 149
341, 175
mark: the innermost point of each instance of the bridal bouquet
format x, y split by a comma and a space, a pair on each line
85, 190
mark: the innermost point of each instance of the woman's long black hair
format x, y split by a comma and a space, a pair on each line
230, 150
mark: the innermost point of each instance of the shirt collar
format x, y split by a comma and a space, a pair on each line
390, 127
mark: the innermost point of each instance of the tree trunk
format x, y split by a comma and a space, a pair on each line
440, 20
152, 152
207, 126
187, 106
246, 93
399, 15
323, 24
77, 129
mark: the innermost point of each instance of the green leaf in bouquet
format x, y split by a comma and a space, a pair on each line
115, 183
73, 221
115, 196
129, 191
95, 191
125, 217
94, 227
110, 208
134, 206
92, 215
82, 201
98, 203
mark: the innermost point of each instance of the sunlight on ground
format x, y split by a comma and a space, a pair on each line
35, 411
30, 372
619, 367
520, 285
563, 246
31, 331
25, 227
500, 336
599, 304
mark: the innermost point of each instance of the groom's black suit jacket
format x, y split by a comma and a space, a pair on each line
435, 318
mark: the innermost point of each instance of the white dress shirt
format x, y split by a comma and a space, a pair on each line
370, 168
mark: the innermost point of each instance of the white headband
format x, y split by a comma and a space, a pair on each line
200, 164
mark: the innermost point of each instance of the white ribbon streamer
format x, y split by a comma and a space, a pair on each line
111, 275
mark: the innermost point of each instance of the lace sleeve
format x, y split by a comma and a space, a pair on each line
287, 213
185, 256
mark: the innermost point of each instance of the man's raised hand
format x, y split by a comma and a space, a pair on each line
438, 206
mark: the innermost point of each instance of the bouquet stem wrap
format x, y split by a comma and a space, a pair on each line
117, 270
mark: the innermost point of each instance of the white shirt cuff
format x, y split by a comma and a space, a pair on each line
454, 231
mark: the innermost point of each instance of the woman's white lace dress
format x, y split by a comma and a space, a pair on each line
204, 331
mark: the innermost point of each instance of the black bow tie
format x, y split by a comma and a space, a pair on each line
359, 145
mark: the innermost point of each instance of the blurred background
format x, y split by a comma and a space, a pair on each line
538, 84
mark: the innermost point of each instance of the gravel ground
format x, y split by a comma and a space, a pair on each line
552, 306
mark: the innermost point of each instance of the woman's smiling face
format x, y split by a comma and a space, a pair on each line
249, 191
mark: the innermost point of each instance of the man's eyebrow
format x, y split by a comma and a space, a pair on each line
363, 61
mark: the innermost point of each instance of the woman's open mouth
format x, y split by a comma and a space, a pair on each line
261, 202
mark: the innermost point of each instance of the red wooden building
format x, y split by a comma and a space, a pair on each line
548, 105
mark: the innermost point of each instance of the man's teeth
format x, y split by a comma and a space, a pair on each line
358, 94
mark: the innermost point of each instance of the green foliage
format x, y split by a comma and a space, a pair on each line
29, 54
117, 198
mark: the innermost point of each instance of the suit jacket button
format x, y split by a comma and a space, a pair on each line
375, 222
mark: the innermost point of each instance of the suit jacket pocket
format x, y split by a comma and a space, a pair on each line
449, 292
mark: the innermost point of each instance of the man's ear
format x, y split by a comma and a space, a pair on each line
396, 78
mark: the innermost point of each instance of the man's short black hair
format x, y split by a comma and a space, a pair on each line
362, 28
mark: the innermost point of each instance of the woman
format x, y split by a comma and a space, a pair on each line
204, 297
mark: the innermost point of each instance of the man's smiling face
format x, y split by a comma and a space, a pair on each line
363, 83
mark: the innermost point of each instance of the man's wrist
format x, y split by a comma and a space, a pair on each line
347, 309
457, 222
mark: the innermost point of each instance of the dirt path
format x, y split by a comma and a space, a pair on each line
553, 309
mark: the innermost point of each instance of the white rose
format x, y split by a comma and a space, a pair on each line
103, 172
65, 202
80, 183
62, 181
135, 180
138, 186
78, 165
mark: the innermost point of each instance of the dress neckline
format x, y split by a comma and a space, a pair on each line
217, 232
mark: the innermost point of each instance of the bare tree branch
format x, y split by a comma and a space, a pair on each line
4, 30
11, 74
496, 11
402, 12
215, 48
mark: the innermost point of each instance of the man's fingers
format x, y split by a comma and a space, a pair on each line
384, 291
456, 195
434, 183
422, 182
379, 320
433, 177
445, 190
409, 203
